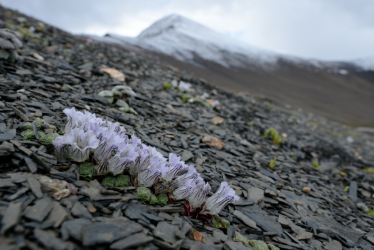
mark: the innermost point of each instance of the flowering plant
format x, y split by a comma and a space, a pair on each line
105, 152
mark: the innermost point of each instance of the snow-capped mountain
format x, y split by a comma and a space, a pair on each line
191, 42
341, 91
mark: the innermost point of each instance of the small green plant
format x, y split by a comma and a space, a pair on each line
292, 155
368, 170
346, 189
167, 85
275, 137
250, 123
371, 212
272, 163
315, 165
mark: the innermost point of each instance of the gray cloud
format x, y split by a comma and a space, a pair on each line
323, 29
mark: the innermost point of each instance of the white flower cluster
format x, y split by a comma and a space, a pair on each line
105, 144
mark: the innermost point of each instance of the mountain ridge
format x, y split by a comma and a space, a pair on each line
339, 90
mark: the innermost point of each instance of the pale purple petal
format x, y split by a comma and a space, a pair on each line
175, 166
149, 176
198, 195
185, 191
221, 198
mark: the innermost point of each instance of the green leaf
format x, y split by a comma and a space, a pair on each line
52, 127
216, 223
275, 137
28, 135
272, 247
153, 199
225, 223
144, 193
123, 181
48, 138
108, 95
167, 85
27, 126
108, 181
38, 121
162, 199
219, 222
86, 170
272, 163
240, 238
110, 99
259, 245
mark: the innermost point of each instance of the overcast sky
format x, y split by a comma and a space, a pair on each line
322, 29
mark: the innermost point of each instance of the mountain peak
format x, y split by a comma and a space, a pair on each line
172, 22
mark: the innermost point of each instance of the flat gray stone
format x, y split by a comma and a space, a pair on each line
58, 214
262, 219
186, 155
40, 210
333, 245
219, 235
72, 228
244, 202
17, 194
35, 186
353, 191
249, 222
256, 194
33, 167
11, 216
4, 183
51, 241
330, 225
132, 241
166, 232
236, 246
109, 231
152, 217
134, 212
80, 211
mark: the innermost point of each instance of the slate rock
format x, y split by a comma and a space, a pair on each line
330, 225
31, 165
11, 216
353, 191
5, 183
245, 219
166, 232
73, 228
35, 186
80, 211
231, 245
57, 215
262, 219
51, 241
134, 211
152, 217
40, 210
132, 241
333, 245
186, 155
17, 194
108, 231
244, 202
7, 135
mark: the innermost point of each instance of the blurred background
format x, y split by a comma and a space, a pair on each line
314, 54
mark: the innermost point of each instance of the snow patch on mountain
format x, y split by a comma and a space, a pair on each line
191, 42
366, 63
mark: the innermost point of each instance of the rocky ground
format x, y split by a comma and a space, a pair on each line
315, 195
